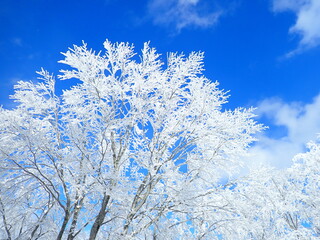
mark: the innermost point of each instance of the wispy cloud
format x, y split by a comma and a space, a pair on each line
299, 123
17, 41
307, 23
183, 13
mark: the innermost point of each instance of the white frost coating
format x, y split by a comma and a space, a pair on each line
136, 150
278, 204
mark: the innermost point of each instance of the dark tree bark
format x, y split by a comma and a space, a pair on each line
99, 219
64, 225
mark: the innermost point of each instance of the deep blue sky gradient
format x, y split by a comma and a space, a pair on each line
244, 50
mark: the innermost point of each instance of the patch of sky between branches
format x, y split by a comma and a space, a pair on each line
273, 130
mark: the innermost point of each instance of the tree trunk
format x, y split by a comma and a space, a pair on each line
77, 210
64, 225
99, 219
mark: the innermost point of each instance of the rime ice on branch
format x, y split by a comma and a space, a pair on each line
136, 150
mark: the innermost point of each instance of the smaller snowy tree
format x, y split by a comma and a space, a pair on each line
277, 204
137, 149
304, 179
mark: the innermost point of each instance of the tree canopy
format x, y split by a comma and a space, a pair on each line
140, 148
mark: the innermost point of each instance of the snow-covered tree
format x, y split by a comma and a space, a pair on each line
277, 204
138, 149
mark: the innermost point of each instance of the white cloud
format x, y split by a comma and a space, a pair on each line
300, 124
283, 5
307, 24
182, 13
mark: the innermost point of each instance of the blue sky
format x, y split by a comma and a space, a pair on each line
266, 52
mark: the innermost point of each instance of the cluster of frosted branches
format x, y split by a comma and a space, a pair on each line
278, 204
138, 149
